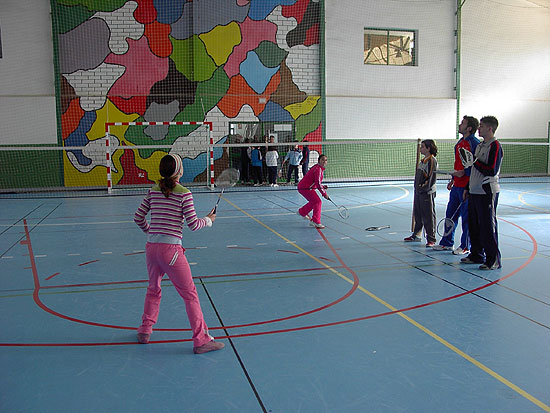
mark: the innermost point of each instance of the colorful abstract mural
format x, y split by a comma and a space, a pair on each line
218, 61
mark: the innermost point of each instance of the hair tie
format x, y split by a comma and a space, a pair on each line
179, 165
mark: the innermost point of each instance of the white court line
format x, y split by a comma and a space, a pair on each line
406, 193
106, 252
6, 258
40, 256
72, 255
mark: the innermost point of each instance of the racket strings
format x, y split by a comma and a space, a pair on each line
446, 226
343, 212
466, 157
228, 178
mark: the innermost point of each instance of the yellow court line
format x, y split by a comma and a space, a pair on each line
522, 200
441, 340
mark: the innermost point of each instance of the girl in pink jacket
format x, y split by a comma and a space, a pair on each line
307, 186
171, 205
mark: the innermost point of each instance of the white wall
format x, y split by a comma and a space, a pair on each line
27, 102
370, 101
505, 69
506, 65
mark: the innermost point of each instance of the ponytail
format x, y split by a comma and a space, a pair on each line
170, 167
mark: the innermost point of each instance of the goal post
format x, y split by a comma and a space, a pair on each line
137, 165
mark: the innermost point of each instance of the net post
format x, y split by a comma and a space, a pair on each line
210, 154
108, 157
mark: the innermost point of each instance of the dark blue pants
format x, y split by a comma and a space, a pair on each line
482, 210
455, 198
289, 175
272, 171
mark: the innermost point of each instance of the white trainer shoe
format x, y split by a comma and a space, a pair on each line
460, 251
316, 225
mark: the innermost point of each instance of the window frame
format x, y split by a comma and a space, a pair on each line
388, 32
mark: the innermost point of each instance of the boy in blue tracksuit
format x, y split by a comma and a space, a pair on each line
294, 157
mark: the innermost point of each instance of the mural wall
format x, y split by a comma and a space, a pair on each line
219, 61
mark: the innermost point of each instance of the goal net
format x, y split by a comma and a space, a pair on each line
127, 156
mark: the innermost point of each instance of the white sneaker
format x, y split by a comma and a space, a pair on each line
306, 217
316, 225
275, 185
460, 251
442, 248
271, 185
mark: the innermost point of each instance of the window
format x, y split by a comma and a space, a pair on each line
390, 47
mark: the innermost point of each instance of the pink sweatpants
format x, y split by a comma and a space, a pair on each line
314, 204
170, 259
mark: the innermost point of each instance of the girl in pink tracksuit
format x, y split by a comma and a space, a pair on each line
170, 205
307, 186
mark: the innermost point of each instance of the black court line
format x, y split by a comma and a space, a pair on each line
239, 359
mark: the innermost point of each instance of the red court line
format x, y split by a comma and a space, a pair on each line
53, 275
46, 287
352, 320
86, 263
53, 312
292, 252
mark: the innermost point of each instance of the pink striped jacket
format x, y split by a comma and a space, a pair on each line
168, 214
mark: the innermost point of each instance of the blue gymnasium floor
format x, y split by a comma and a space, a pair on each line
338, 320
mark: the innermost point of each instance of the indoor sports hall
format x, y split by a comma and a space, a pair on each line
340, 319
335, 313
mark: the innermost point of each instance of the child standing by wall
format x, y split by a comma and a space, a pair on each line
256, 160
170, 204
294, 157
424, 195
271, 161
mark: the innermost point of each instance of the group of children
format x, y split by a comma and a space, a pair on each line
473, 197
295, 158
171, 205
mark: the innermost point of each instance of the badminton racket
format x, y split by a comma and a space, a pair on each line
377, 228
466, 157
228, 178
342, 210
447, 225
